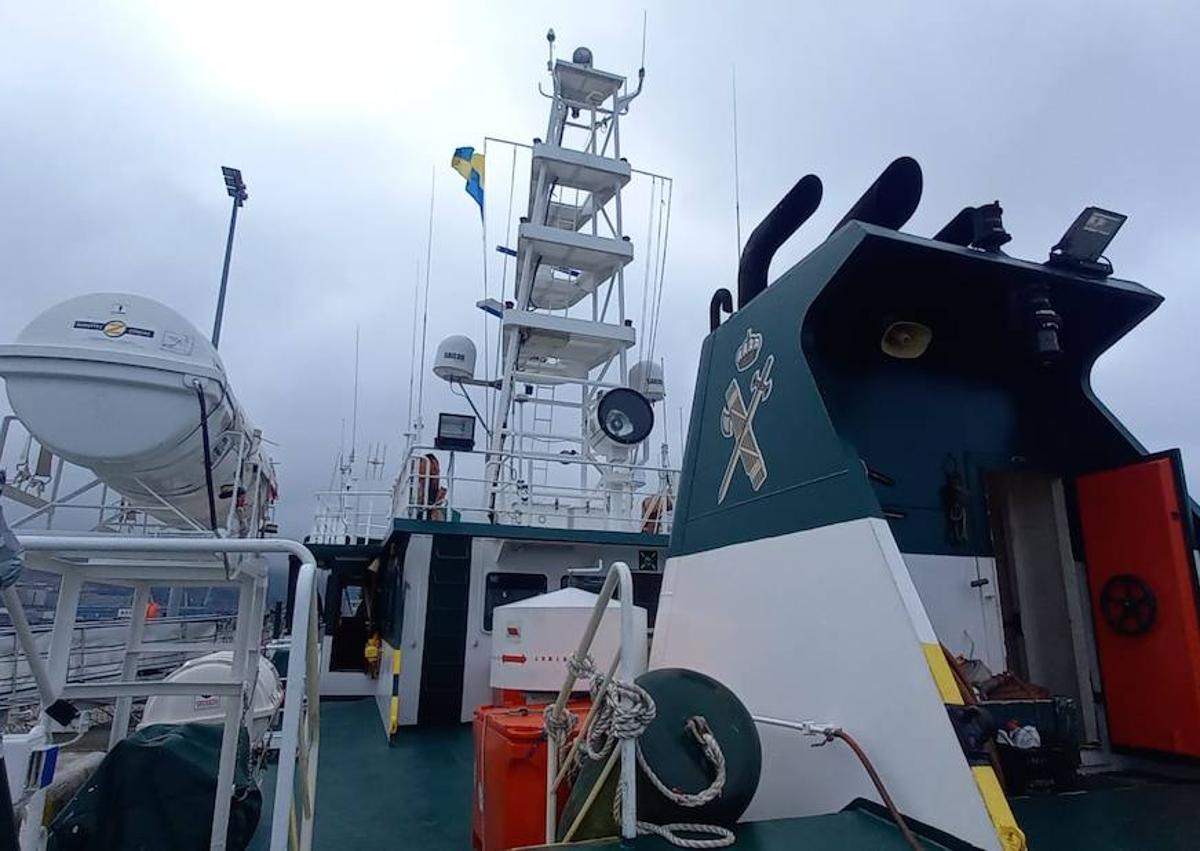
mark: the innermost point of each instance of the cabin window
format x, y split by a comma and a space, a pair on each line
646, 587
503, 588
352, 597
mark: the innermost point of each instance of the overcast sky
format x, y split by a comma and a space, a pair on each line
115, 119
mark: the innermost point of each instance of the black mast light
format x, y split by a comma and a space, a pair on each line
1082, 246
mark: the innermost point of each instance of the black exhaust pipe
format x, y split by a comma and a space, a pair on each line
960, 230
891, 200
773, 231
722, 300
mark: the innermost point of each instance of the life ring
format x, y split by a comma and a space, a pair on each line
653, 509
427, 494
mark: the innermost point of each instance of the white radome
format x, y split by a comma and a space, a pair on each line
646, 377
455, 358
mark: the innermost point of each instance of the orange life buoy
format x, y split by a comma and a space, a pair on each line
653, 509
428, 495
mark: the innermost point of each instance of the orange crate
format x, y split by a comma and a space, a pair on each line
509, 806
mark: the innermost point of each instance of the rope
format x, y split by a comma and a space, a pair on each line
722, 837
625, 712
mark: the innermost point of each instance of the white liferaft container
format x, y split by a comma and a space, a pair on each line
533, 639
205, 708
108, 381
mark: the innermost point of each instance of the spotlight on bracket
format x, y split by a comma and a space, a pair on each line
625, 416
1082, 247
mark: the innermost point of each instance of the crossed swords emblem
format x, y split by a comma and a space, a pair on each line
737, 421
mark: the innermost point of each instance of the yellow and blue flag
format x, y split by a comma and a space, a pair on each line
470, 165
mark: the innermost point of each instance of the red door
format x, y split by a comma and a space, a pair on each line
1135, 523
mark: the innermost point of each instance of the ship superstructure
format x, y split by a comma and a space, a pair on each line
549, 469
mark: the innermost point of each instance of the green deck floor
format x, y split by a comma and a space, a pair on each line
1162, 817
416, 796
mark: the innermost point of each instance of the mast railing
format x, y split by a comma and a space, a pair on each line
351, 516
453, 495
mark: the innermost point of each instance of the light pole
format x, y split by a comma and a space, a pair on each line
236, 187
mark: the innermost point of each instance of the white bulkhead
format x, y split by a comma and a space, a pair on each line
110, 382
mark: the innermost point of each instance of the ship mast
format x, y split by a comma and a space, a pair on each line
557, 354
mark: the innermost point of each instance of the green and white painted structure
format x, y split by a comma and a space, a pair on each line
845, 509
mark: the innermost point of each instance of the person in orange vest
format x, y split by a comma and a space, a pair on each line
151, 609
371, 655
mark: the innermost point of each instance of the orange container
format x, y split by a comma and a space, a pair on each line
509, 806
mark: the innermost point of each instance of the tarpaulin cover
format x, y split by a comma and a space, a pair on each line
155, 791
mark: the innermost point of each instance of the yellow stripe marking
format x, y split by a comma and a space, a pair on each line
943, 677
394, 709
1011, 836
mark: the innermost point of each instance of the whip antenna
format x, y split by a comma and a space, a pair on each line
737, 182
642, 67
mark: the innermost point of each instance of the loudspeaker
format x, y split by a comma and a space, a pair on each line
906, 340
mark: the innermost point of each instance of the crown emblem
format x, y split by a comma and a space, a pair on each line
747, 352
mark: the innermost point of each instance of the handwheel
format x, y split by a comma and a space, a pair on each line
1128, 604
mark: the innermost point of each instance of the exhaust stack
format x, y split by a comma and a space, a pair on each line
891, 200
773, 231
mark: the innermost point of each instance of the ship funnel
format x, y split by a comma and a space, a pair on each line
891, 200
772, 232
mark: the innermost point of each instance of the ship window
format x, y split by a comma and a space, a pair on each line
503, 588
352, 596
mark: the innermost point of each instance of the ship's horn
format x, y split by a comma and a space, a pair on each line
891, 200
773, 231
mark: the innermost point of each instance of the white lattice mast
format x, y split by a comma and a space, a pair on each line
566, 326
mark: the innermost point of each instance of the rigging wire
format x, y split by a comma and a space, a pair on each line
512, 185
462, 391
487, 354
662, 272
425, 305
642, 330
652, 248
412, 344
354, 410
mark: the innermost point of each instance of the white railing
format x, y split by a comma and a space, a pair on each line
344, 517
55, 490
425, 494
626, 662
125, 562
98, 650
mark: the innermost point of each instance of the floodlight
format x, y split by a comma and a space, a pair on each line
1082, 246
455, 431
234, 185
625, 416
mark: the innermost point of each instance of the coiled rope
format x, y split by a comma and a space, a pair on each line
625, 712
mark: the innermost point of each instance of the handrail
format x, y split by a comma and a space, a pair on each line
302, 673
618, 575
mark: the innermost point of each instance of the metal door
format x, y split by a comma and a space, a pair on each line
1136, 528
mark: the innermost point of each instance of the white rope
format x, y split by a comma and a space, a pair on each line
722, 837
625, 712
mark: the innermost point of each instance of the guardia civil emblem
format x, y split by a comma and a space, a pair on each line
737, 416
